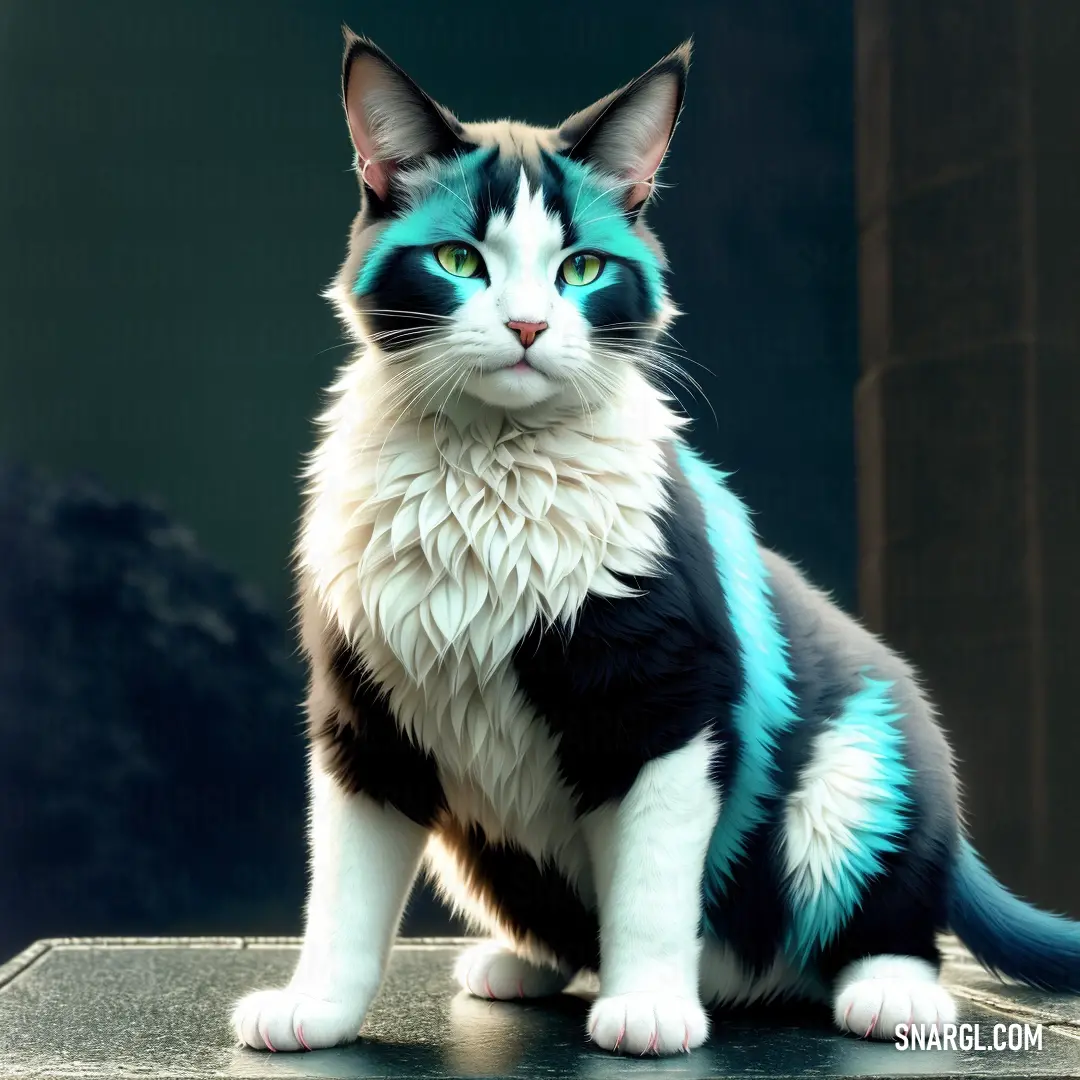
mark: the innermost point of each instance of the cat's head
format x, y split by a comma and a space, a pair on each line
501, 261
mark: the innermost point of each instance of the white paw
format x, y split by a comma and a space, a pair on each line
490, 970
648, 1024
290, 1020
873, 1008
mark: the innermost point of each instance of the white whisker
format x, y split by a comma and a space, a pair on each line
445, 187
606, 191
404, 313
652, 360
465, 183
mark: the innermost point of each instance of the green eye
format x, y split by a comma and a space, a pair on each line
582, 269
459, 260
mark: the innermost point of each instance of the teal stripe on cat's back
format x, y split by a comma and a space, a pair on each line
766, 706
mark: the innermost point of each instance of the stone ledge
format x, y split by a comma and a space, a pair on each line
157, 1007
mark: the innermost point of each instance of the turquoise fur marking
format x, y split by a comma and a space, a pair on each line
602, 226
820, 912
579, 294
448, 203
465, 287
766, 707
442, 215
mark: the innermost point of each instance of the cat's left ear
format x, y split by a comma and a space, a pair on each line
391, 120
627, 133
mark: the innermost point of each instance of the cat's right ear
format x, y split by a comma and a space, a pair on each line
391, 120
627, 133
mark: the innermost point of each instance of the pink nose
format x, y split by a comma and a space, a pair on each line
527, 331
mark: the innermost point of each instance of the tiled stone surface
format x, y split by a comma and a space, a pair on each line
125, 1009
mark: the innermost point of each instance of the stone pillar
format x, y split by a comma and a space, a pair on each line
968, 405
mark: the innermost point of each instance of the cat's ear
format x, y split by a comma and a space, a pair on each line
626, 134
391, 120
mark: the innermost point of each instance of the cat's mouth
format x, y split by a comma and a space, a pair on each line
516, 383
522, 366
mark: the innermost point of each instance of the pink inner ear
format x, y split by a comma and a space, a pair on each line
367, 74
645, 169
375, 174
638, 193
648, 160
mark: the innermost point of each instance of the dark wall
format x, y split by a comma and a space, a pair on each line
969, 150
175, 190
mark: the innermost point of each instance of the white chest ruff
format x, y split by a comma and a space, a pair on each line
437, 546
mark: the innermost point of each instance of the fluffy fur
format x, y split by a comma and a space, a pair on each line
548, 653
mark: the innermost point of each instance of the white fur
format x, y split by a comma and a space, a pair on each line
523, 253
840, 782
648, 853
364, 858
875, 995
439, 529
436, 545
491, 970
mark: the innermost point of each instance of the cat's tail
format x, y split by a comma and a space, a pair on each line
1008, 936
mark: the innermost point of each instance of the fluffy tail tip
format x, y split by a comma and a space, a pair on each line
1008, 936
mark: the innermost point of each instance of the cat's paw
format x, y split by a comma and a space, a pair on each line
873, 1008
648, 1024
290, 1020
491, 970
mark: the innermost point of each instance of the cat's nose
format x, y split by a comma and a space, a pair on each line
527, 331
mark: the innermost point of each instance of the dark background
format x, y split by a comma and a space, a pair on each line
175, 191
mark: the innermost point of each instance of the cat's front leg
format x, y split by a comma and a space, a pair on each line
364, 857
648, 852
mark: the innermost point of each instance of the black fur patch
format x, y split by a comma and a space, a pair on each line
525, 898
499, 180
405, 287
626, 300
641, 676
364, 749
901, 912
553, 180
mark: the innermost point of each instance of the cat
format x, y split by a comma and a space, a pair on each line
548, 655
